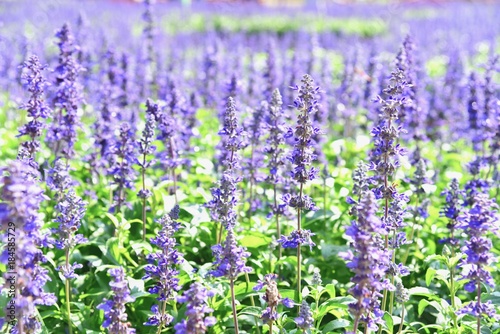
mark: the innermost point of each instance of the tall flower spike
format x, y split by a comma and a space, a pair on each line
305, 318
36, 107
452, 209
481, 219
230, 258
302, 157
122, 156
369, 262
115, 315
21, 197
231, 137
196, 309
146, 148
162, 268
67, 98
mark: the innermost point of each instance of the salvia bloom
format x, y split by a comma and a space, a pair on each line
225, 199
70, 210
230, 258
232, 137
473, 111
21, 198
272, 298
196, 310
302, 157
369, 262
452, 209
115, 315
276, 159
162, 267
255, 129
67, 97
305, 318
146, 148
36, 107
481, 219
122, 156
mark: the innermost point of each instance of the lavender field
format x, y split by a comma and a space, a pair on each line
236, 168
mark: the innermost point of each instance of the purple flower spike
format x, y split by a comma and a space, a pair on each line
196, 309
115, 315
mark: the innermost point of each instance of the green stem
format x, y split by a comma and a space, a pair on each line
143, 205
67, 285
233, 304
252, 302
402, 318
479, 307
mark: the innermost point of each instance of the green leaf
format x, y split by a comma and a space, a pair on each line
255, 240
422, 304
421, 291
336, 324
389, 322
429, 275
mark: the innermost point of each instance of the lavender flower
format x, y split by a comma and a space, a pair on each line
115, 315
302, 157
225, 198
369, 262
71, 209
161, 268
305, 318
272, 298
231, 137
36, 107
21, 198
452, 209
146, 148
477, 222
196, 310
63, 132
122, 157
230, 258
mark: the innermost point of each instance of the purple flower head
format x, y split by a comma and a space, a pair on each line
452, 208
230, 258
481, 219
276, 130
122, 156
305, 318
303, 153
68, 96
21, 196
232, 137
36, 107
368, 260
162, 264
115, 315
196, 309
225, 198
297, 238
255, 128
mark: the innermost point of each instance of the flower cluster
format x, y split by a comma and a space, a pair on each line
225, 198
481, 219
302, 157
68, 96
122, 155
232, 137
36, 107
272, 298
115, 315
21, 197
369, 262
452, 209
161, 267
230, 258
146, 148
195, 299
305, 318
